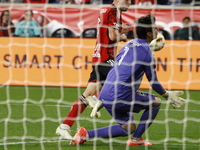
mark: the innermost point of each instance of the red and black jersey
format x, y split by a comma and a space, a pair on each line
105, 48
6, 29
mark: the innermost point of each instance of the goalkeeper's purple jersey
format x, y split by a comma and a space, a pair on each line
133, 61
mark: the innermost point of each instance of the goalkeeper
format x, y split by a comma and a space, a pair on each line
110, 32
120, 95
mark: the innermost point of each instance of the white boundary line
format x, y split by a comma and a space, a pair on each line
30, 142
57, 141
70, 106
15, 143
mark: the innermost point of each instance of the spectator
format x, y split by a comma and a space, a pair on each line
28, 27
6, 26
190, 2
187, 32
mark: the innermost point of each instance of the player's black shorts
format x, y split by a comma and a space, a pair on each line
99, 73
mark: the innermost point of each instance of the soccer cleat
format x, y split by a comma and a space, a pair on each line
63, 133
80, 137
141, 141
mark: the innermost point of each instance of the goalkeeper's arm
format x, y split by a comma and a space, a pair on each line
171, 96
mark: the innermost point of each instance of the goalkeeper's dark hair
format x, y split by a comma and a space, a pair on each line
143, 25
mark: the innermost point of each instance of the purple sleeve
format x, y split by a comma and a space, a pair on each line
150, 71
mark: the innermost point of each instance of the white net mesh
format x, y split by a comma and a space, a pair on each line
42, 77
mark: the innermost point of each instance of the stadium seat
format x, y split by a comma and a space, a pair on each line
63, 33
165, 33
89, 33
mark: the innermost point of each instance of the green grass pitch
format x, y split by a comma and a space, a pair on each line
29, 117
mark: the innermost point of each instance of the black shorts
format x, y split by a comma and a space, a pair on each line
99, 73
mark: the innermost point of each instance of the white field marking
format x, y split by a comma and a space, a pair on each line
30, 142
55, 141
71, 105
180, 110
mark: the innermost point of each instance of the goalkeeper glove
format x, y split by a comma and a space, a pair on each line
96, 109
174, 99
92, 101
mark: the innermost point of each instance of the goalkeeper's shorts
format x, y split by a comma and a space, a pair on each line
120, 109
99, 73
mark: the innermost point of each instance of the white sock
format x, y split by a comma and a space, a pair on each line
135, 139
64, 126
87, 137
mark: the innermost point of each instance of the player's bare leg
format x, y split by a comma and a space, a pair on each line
92, 89
129, 127
77, 108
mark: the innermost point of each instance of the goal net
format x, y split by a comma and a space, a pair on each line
41, 77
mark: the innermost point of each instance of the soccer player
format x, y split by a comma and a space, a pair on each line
120, 95
110, 32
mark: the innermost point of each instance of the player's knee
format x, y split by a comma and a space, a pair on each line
157, 102
129, 127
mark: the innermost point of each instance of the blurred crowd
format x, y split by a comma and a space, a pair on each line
27, 26
136, 2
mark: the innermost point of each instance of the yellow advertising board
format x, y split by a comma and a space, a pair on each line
67, 62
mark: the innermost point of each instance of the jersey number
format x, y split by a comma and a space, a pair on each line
126, 49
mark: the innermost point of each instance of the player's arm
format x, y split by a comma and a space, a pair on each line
114, 28
115, 36
153, 80
150, 71
126, 27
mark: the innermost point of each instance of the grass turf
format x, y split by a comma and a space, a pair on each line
30, 115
